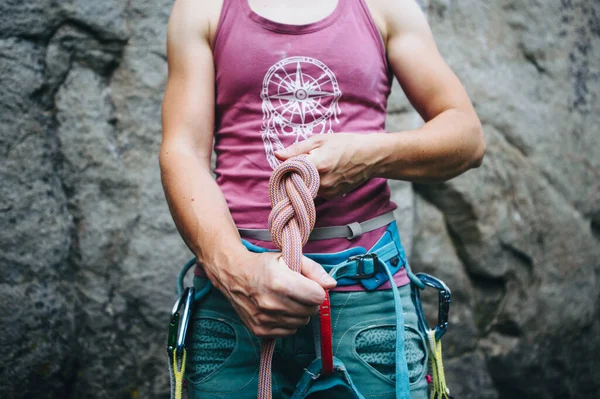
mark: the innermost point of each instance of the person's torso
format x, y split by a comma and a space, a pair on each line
279, 83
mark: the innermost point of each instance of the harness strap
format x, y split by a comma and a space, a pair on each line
363, 267
349, 231
402, 381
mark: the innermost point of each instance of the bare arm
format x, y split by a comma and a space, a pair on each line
269, 298
451, 141
196, 203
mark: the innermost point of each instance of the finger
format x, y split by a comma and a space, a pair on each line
290, 286
303, 290
316, 273
331, 192
315, 156
286, 322
273, 332
261, 323
302, 147
286, 306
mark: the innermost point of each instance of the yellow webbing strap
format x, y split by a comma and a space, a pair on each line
439, 389
176, 373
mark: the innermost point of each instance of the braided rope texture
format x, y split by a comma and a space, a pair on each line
292, 189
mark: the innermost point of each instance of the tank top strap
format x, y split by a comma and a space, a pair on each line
231, 11
364, 12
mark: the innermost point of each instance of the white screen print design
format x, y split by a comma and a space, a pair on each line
300, 98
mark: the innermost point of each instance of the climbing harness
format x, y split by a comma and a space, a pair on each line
292, 189
439, 389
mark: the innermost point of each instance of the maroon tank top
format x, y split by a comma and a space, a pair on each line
277, 84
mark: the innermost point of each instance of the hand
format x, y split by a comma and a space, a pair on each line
342, 159
271, 299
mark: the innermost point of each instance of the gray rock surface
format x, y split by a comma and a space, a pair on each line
88, 250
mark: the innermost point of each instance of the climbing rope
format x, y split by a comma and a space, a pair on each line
292, 189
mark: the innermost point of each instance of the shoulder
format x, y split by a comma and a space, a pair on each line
397, 17
193, 19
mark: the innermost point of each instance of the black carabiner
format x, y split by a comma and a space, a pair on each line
445, 297
178, 325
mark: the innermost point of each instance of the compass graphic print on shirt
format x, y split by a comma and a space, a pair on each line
299, 98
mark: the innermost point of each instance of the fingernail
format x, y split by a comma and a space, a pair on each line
327, 279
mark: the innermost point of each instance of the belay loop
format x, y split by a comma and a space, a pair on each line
292, 189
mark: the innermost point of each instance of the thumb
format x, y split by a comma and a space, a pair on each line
302, 147
315, 272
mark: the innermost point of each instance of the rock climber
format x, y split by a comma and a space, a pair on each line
266, 81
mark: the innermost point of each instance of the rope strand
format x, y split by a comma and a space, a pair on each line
292, 189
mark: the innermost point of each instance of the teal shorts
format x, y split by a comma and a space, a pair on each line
223, 355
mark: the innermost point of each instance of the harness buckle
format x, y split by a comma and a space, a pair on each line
178, 325
366, 265
445, 297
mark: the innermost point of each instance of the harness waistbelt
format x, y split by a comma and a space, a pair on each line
349, 231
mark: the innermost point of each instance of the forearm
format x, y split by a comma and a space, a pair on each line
444, 147
199, 209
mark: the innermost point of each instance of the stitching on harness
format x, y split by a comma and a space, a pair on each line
337, 319
380, 394
235, 390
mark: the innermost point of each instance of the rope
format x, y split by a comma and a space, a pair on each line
292, 189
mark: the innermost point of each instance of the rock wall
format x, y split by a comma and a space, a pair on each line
89, 252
